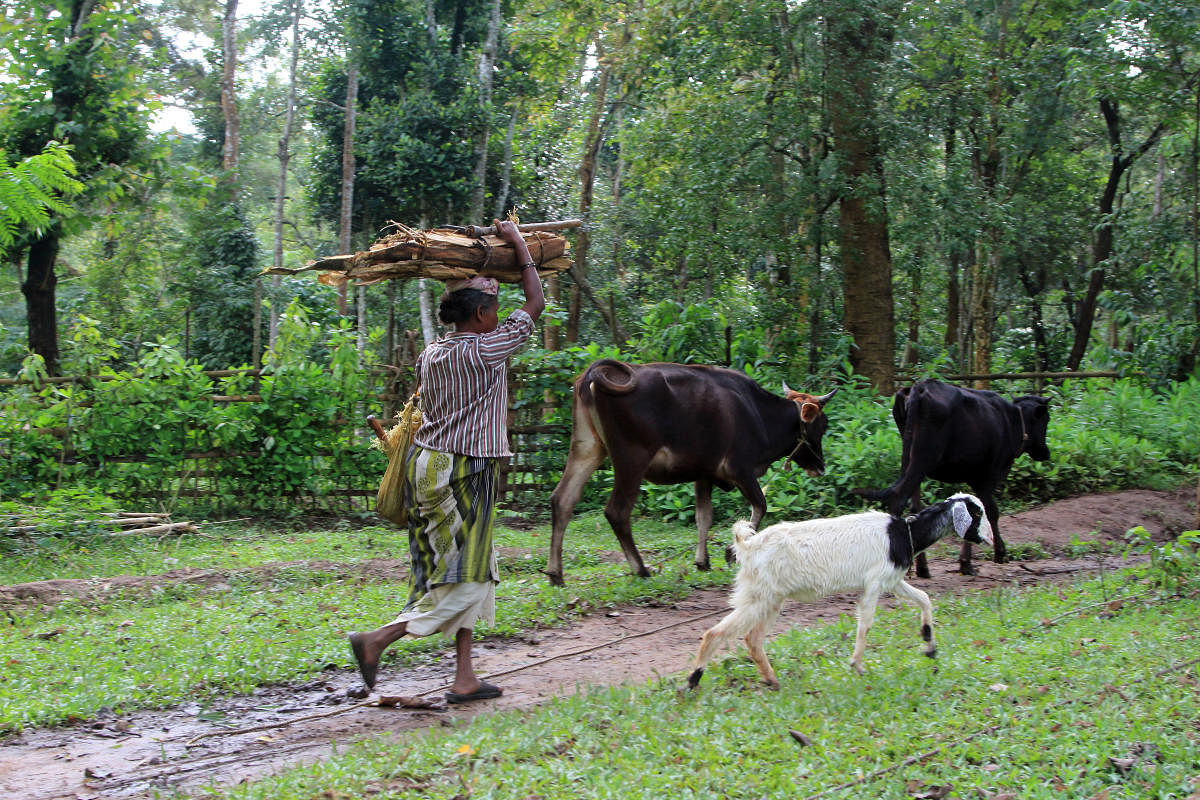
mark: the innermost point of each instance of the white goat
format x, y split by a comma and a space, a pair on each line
867, 553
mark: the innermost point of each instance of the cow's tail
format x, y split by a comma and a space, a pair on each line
611, 377
874, 494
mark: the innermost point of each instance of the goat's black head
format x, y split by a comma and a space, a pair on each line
970, 519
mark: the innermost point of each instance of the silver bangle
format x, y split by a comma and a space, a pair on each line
528, 265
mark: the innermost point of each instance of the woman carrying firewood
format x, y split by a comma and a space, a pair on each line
452, 472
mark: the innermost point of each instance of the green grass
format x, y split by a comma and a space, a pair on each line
1013, 705
218, 546
183, 642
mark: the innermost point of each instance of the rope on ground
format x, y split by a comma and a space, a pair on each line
993, 728
309, 717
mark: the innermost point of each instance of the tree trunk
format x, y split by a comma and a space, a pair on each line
487, 61
1102, 246
551, 329
431, 25
426, 306
39, 288
348, 167
506, 168
911, 352
587, 182
229, 149
858, 42
40, 281
285, 156
983, 306
953, 257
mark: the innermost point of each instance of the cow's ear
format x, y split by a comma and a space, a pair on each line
1040, 411
809, 411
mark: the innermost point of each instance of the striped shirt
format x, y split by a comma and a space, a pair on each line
464, 389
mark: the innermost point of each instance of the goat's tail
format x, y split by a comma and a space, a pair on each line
742, 533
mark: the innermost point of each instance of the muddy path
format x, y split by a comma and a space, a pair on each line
246, 737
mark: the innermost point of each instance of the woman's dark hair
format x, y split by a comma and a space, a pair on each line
459, 306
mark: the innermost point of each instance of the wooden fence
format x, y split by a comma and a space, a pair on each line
526, 479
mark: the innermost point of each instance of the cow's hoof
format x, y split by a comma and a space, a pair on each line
966, 569
931, 653
923, 572
772, 684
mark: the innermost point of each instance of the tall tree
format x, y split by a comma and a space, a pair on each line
859, 42
284, 152
487, 65
72, 75
1141, 66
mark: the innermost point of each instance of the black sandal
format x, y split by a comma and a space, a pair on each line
367, 670
486, 691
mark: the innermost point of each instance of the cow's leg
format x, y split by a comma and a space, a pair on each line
748, 486
866, 618
626, 485
750, 490
992, 509
585, 456
704, 518
986, 494
915, 504
754, 643
921, 601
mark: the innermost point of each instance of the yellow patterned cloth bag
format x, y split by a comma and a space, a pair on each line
389, 501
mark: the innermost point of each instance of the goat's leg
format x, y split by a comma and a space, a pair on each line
866, 618
754, 643
921, 601
587, 453
735, 625
704, 519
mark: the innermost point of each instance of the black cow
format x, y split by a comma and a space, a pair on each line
676, 423
959, 435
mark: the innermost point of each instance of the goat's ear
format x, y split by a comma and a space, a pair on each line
809, 411
962, 518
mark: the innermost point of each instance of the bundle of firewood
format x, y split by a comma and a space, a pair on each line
448, 253
123, 523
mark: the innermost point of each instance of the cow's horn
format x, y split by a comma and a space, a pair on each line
786, 389
821, 401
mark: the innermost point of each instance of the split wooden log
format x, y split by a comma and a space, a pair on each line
444, 254
150, 522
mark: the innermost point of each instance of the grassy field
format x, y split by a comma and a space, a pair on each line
1085, 691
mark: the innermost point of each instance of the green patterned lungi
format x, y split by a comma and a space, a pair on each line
451, 510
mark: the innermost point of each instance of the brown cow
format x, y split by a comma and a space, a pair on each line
677, 423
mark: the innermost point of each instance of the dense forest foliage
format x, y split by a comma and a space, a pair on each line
883, 187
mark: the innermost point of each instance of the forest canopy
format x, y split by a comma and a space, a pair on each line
884, 188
